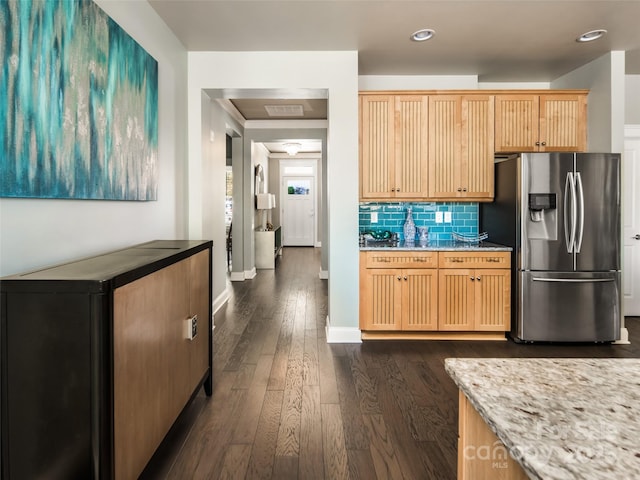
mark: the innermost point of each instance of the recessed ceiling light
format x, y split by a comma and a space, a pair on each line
422, 35
591, 36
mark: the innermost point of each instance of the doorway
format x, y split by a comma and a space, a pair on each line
299, 202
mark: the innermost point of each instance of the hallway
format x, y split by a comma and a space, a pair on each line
287, 405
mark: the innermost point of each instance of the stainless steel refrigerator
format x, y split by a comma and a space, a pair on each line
561, 214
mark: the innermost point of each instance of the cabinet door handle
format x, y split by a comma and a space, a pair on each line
544, 144
478, 278
399, 277
537, 144
472, 279
464, 189
405, 279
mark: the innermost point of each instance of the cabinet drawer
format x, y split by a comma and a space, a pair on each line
389, 259
456, 259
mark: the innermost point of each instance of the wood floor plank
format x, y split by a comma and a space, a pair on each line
360, 465
263, 451
311, 375
326, 373
335, 452
355, 431
247, 425
235, 463
383, 452
311, 460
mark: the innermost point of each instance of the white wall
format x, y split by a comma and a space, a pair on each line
338, 73
604, 77
632, 103
212, 183
39, 232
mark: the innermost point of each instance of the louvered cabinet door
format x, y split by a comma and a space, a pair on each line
444, 146
492, 300
456, 295
420, 299
516, 123
380, 299
563, 123
411, 146
377, 144
477, 158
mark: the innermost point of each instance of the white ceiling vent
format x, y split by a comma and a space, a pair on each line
284, 110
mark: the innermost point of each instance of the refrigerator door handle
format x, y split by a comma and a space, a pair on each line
573, 280
580, 234
569, 237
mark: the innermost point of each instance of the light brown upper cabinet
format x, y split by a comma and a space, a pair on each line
393, 147
541, 123
461, 147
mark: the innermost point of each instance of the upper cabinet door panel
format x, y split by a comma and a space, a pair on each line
477, 146
563, 123
377, 145
445, 113
411, 149
516, 123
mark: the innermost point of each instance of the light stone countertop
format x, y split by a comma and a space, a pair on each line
563, 418
446, 245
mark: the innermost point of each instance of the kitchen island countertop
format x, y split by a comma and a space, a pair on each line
443, 245
560, 418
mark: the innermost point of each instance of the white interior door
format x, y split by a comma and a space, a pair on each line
298, 210
631, 222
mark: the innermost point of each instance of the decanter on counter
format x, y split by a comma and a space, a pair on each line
409, 228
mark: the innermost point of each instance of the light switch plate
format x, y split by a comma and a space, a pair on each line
439, 217
447, 217
374, 217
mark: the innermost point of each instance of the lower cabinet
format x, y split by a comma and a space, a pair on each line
99, 358
398, 298
445, 291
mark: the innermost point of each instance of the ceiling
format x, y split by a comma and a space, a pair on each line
499, 41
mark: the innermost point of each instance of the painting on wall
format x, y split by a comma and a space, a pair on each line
78, 103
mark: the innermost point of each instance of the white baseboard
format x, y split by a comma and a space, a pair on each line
342, 334
249, 274
624, 337
220, 300
237, 277
324, 274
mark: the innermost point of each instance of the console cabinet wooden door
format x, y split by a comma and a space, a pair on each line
541, 123
155, 367
461, 147
380, 299
419, 299
393, 146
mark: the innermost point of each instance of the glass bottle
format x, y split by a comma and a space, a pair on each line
409, 228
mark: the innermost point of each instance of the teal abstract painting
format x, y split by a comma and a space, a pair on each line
78, 104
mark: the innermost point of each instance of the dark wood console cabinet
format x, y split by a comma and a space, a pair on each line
96, 360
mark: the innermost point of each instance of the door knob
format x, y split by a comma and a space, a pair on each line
637, 236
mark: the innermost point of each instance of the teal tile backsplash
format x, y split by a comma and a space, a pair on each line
391, 216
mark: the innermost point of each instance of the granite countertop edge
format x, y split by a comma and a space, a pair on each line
533, 404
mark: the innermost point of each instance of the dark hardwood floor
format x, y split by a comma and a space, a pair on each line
287, 405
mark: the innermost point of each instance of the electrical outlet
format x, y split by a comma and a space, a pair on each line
191, 327
447, 217
374, 217
439, 217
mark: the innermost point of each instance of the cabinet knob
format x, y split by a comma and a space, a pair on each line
472, 279
464, 189
405, 279
544, 143
399, 277
459, 189
537, 144
478, 278
397, 189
